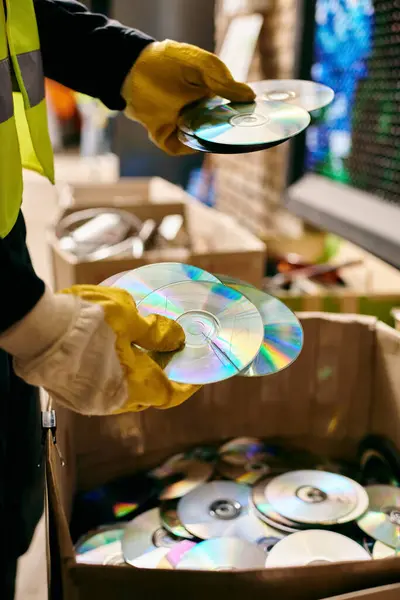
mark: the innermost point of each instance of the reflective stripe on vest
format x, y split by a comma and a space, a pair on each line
24, 137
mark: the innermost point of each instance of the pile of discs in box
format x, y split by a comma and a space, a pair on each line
246, 504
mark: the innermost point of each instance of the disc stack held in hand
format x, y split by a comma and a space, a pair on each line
231, 328
279, 112
247, 504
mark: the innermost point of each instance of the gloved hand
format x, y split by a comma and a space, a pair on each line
165, 78
77, 345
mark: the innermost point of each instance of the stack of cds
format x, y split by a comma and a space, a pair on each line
248, 504
231, 328
279, 112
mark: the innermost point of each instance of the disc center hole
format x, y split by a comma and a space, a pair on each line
311, 495
225, 510
199, 326
280, 96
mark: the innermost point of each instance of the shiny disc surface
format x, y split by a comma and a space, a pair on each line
223, 554
221, 508
383, 551
145, 541
103, 555
382, 519
223, 330
283, 334
248, 125
304, 94
102, 537
143, 281
316, 497
314, 547
191, 472
170, 520
267, 513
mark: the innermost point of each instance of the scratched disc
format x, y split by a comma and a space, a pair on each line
223, 330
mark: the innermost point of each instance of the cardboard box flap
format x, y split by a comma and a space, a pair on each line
323, 401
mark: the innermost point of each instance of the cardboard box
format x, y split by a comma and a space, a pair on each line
345, 384
217, 243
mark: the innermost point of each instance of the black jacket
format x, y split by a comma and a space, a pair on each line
90, 54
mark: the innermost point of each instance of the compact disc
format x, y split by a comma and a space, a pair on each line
115, 502
186, 475
223, 554
189, 140
247, 460
170, 520
110, 281
382, 551
316, 497
304, 94
382, 520
109, 554
270, 516
379, 461
223, 330
222, 508
255, 125
241, 450
100, 537
283, 334
145, 542
146, 279
175, 555
314, 547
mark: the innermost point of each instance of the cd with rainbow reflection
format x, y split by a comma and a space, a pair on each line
180, 475
254, 125
100, 537
283, 334
146, 279
223, 554
382, 519
223, 330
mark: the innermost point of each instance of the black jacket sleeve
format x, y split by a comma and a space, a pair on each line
90, 54
85, 51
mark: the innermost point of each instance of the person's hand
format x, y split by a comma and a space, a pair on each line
168, 76
81, 346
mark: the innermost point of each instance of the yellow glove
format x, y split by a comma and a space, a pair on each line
168, 76
79, 346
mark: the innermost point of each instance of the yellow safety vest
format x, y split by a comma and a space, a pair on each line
24, 136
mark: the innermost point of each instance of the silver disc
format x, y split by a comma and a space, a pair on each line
191, 142
312, 547
223, 554
253, 125
146, 279
145, 541
265, 511
316, 497
103, 555
223, 330
382, 551
170, 520
222, 508
304, 94
382, 520
283, 334
193, 473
